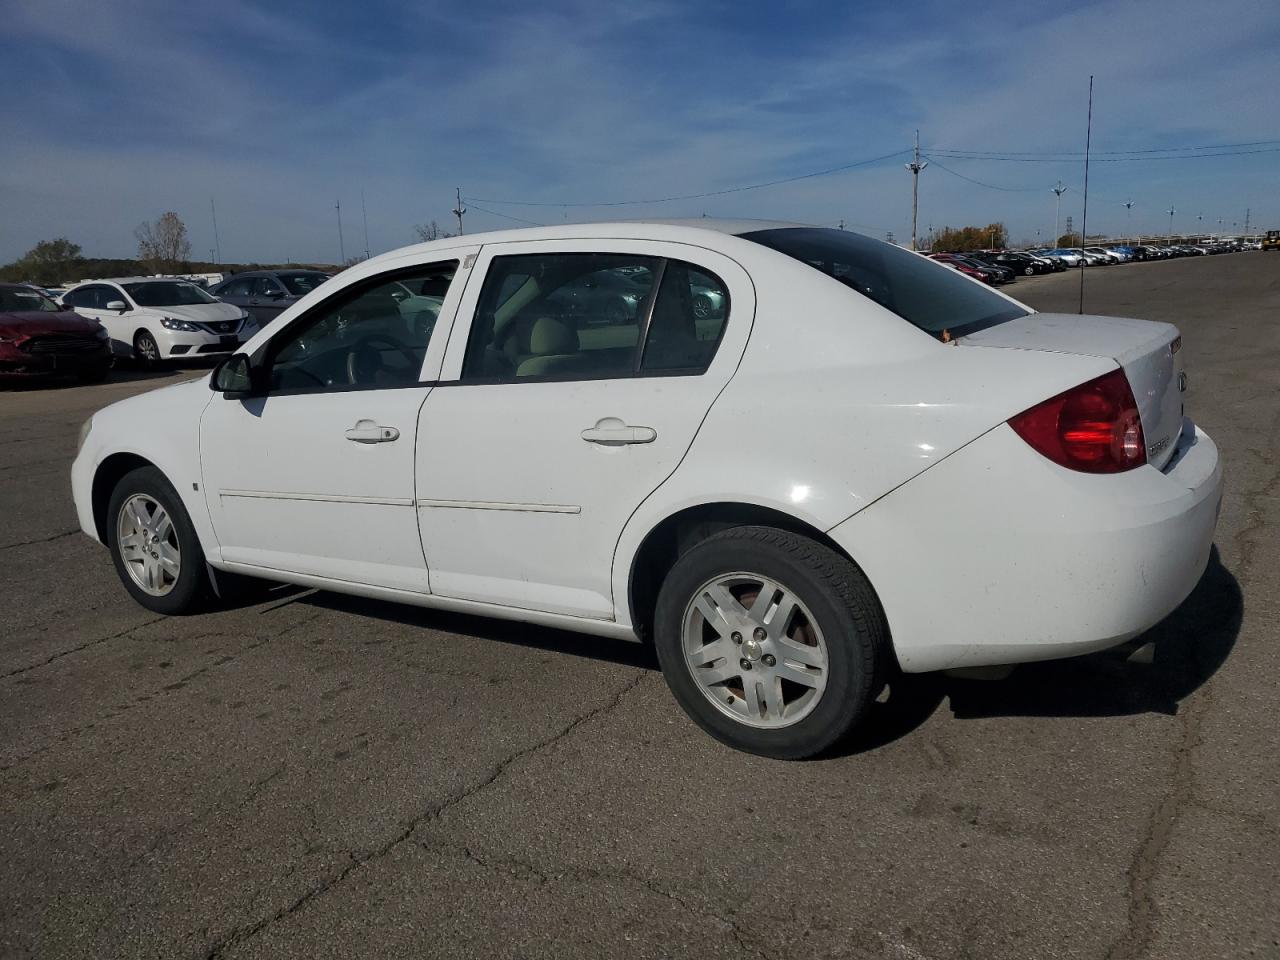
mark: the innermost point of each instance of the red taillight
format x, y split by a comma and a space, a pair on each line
1094, 427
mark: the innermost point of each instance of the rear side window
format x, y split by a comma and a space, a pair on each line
591, 315
935, 299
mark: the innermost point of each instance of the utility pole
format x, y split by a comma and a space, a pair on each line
342, 249
365, 213
459, 209
217, 247
915, 166
1128, 219
1058, 191
1247, 211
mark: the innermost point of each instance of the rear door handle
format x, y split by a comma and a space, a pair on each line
366, 431
612, 432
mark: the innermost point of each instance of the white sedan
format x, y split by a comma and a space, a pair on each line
151, 319
861, 462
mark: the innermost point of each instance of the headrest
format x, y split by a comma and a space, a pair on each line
551, 336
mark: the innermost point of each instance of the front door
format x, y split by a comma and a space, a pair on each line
315, 475
585, 373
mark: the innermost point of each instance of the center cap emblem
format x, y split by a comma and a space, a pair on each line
751, 650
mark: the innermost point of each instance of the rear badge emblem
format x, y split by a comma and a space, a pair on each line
1156, 448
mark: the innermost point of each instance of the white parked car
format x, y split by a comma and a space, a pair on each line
862, 461
152, 319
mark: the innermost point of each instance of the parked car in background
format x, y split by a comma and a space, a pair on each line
977, 271
265, 294
1068, 257
40, 338
151, 320
1021, 263
952, 479
1272, 240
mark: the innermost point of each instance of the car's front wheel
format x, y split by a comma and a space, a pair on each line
773, 643
145, 349
155, 549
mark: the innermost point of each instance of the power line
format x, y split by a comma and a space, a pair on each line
989, 186
691, 196
1078, 153
495, 213
1076, 158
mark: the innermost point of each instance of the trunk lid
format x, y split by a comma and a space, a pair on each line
1149, 353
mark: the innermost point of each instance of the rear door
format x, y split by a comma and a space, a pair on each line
577, 374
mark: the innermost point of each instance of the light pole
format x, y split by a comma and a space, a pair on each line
1128, 218
1219, 226
1171, 213
1059, 190
915, 166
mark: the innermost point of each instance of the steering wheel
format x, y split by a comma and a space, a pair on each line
364, 361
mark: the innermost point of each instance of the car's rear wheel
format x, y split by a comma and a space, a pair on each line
773, 643
154, 547
145, 349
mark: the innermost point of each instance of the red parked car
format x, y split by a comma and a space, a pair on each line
39, 338
958, 263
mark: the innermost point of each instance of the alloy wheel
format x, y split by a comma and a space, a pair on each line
148, 543
754, 650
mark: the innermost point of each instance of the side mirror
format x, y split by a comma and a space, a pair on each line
233, 377
275, 293
119, 306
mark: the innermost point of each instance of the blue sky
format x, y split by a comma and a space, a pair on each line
116, 111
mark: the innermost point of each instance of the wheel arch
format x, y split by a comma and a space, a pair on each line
109, 473
672, 536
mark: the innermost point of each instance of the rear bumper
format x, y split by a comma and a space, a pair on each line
998, 556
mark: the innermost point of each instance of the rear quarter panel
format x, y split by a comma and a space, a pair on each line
835, 403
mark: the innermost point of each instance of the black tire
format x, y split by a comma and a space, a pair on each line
190, 591
145, 350
843, 605
1028, 271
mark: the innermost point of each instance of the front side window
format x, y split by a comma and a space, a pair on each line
939, 302
167, 293
236, 288
593, 315
372, 335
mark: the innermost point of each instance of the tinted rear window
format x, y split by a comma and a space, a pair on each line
927, 295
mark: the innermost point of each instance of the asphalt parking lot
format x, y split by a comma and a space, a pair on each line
323, 776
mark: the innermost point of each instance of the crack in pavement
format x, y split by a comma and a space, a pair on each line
167, 688
49, 539
84, 646
1143, 913
242, 934
587, 874
1140, 927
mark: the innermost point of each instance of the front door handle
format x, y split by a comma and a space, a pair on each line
366, 431
612, 432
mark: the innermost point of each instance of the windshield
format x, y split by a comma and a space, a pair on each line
167, 293
300, 284
935, 299
25, 300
